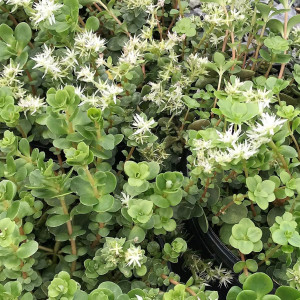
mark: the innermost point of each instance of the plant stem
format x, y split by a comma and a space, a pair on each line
98, 236
81, 21
221, 211
127, 159
91, 181
30, 79
185, 117
245, 268
45, 249
269, 69
24, 135
70, 126
225, 40
159, 28
219, 86
258, 47
110, 13
280, 156
294, 140
206, 33
233, 48
70, 232
246, 51
268, 256
187, 188
174, 282
285, 36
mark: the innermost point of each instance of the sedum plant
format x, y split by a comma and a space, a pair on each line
121, 120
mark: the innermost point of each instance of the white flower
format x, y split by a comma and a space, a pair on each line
79, 91
9, 74
201, 144
142, 125
116, 248
130, 57
100, 61
205, 164
70, 58
110, 92
243, 150
156, 95
230, 136
45, 9
88, 42
222, 157
125, 199
233, 88
31, 103
46, 61
86, 74
267, 127
94, 100
132, 4
18, 3
133, 256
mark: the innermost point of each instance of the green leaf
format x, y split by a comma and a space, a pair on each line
219, 59
264, 9
23, 35
203, 223
251, 183
239, 266
57, 220
288, 151
233, 292
292, 22
190, 102
261, 283
107, 142
80, 295
234, 214
282, 58
251, 265
265, 55
13, 211
159, 201
137, 233
276, 26
106, 202
284, 177
92, 24
6, 34
24, 147
247, 295
286, 292
27, 249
